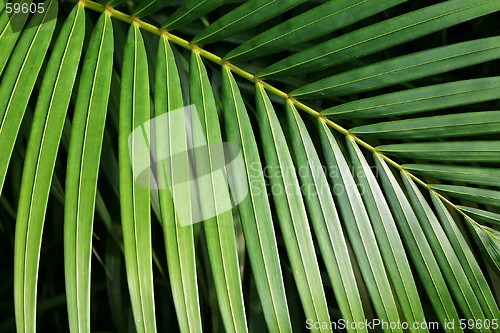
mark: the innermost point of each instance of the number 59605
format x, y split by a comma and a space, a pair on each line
14, 8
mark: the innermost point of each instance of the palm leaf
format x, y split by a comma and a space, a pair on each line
445, 255
291, 211
380, 36
420, 99
255, 211
11, 29
190, 11
389, 240
317, 22
482, 215
403, 69
479, 195
325, 219
469, 151
27, 59
467, 261
48, 122
219, 229
179, 240
83, 164
365, 203
490, 240
360, 232
147, 7
421, 251
244, 17
457, 173
453, 125
134, 200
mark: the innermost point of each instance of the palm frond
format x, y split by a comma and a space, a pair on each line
255, 211
219, 229
27, 58
380, 36
363, 184
83, 165
135, 200
179, 241
45, 135
291, 211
